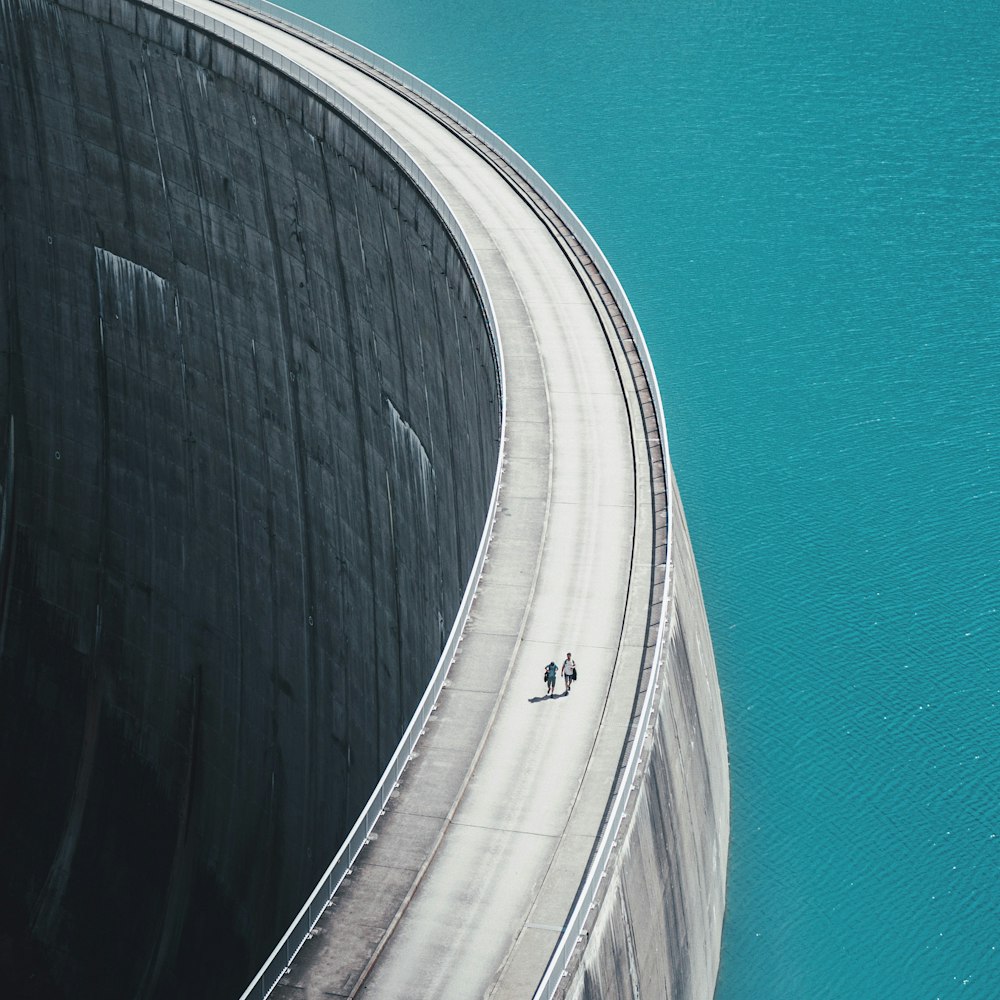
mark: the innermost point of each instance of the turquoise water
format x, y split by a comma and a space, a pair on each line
803, 204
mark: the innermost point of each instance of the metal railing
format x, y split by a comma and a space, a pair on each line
591, 886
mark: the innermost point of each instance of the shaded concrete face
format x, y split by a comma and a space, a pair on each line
255, 428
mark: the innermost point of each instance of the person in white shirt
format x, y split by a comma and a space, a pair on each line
569, 671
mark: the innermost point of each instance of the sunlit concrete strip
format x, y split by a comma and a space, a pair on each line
476, 865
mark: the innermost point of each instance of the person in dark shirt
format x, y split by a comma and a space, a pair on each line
550, 677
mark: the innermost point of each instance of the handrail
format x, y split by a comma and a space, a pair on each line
296, 935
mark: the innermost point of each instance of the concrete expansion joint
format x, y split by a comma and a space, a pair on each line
507, 829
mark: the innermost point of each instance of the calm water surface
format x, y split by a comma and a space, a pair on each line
803, 204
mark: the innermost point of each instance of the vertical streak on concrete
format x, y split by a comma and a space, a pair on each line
46, 911
6, 526
395, 323
152, 125
351, 337
116, 125
442, 332
293, 370
45, 918
236, 509
179, 879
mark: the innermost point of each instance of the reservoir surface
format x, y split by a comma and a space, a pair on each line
802, 205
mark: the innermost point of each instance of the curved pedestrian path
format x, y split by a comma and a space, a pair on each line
473, 870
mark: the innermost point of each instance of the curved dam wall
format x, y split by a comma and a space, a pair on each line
658, 929
248, 434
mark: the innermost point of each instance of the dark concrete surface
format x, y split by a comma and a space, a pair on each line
248, 405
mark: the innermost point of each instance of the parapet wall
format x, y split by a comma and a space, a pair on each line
255, 428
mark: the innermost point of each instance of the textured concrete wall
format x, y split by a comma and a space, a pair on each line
658, 929
255, 428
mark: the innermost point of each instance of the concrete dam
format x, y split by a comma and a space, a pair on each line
313, 397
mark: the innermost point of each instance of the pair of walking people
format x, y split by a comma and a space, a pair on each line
568, 672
